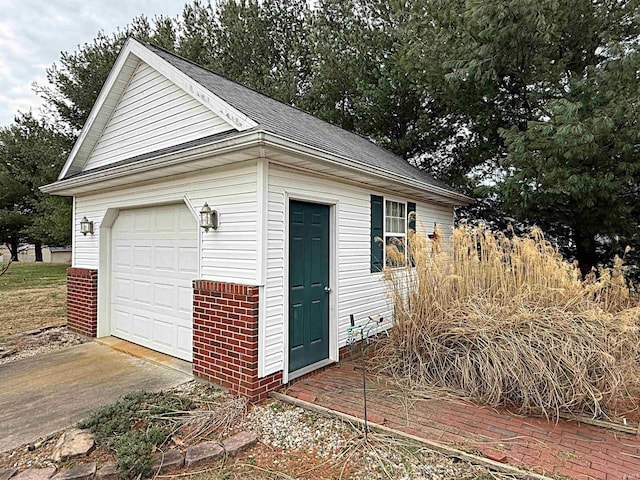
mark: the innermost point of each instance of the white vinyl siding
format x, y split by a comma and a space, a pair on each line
428, 214
153, 113
360, 292
229, 254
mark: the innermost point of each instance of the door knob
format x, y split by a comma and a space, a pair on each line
327, 289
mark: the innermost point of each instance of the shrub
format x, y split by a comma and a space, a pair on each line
506, 320
134, 427
134, 452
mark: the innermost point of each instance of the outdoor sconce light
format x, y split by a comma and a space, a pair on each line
86, 226
208, 218
434, 235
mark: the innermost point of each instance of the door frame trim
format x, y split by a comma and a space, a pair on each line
334, 209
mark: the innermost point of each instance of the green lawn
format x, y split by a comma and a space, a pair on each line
33, 275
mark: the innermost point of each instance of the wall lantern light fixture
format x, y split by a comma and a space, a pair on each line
208, 218
434, 235
86, 226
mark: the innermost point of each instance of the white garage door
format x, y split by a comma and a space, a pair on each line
154, 260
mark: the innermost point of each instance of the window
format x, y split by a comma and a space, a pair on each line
389, 223
395, 234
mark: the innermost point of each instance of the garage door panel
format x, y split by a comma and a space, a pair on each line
121, 320
185, 299
121, 289
185, 224
155, 260
185, 340
164, 333
188, 260
165, 296
165, 258
125, 223
142, 221
141, 325
167, 222
142, 292
122, 255
142, 256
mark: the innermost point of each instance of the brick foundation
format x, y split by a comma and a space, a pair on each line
225, 338
82, 301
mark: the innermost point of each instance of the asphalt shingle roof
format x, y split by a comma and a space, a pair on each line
294, 124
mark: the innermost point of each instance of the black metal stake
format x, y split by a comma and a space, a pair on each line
363, 346
364, 391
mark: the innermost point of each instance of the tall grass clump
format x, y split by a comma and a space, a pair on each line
505, 320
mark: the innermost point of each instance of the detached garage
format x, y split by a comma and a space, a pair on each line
222, 227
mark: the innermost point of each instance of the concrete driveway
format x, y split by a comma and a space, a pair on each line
46, 393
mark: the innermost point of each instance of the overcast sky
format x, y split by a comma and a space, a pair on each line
34, 32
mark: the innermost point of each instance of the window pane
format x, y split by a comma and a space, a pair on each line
395, 217
395, 252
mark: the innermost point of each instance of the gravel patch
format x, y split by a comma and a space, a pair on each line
292, 429
37, 342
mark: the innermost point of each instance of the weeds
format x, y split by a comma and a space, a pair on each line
4, 268
507, 321
212, 420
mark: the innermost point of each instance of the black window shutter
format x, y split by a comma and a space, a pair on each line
411, 225
411, 219
377, 232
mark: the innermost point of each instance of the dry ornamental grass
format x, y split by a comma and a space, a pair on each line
507, 321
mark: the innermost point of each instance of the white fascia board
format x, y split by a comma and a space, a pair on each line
283, 143
235, 118
97, 107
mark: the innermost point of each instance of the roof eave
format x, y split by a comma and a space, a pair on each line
70, 186
277, 141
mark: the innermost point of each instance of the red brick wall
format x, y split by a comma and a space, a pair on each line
225, 338
82, 301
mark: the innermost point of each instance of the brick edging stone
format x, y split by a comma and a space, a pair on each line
171, 461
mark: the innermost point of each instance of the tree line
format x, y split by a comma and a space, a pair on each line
529, 106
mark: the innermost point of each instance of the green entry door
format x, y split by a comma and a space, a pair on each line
308, 284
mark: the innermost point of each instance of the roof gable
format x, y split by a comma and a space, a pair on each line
245, 112
146, 97
152, 113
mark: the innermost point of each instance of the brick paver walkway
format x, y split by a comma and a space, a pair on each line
573, 449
